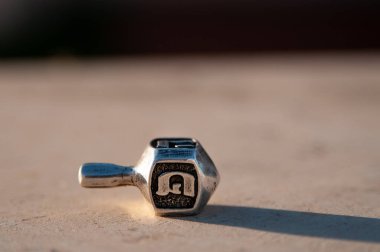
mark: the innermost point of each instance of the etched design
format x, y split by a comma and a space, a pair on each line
174, 185
165, 187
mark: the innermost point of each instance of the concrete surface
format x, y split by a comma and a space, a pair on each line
296, 140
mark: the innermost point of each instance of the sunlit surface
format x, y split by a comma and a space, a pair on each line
138, 209
296, 140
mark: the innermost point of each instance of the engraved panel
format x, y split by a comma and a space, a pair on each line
174, 185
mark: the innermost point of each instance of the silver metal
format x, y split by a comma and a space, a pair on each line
175, 175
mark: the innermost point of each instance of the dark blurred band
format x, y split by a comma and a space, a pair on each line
87, 27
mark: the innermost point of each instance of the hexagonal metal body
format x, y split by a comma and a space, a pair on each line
175, 174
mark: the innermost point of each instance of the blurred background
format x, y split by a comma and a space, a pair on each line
116, 27
284, 96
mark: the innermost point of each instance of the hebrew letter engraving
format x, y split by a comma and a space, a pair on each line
165, 186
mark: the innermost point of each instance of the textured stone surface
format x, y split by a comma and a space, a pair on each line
296, 140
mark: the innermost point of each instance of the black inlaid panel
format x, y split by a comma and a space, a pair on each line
175, 195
